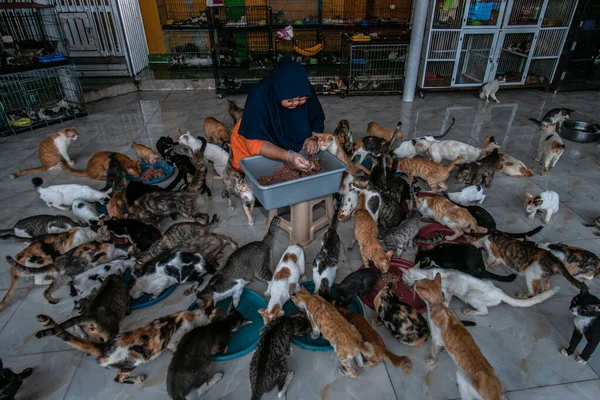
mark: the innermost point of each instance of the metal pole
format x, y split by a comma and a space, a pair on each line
414, 51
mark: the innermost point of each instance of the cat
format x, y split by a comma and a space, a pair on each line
491, 88
189, 368
433, 173
407, 148
365, 233
198, 183
358, 283
512, 167
104, 314
484, 219
350, 199
85, 212
452, 149
39, 225
401, 236
461, 257
556, 116
88, 282
134, 231
333, 145
474, 292
325, 320
52, 151
325, 264
215, 131
115, 176
152, 208
184, 165
11, 382
135, 190
370, 335
475, 376
145, 153
373, 146
128, 350
582, 264
374, 129
595, 224
586, 309
165, 145
117, 206
235, 183
63, 196
480, 172
248, 199
269, 367
234, 111
172, 269
98, 165
402, 320
252, 260
285, 280
468, 195
550, 149
213, 153
546, 202
447, 213
343, 133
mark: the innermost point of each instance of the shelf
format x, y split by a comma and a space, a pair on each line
516, 53
32, 67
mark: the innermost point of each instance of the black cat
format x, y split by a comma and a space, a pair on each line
11, 382
358, 283
164, 146
586, 309
136, 232
115, 175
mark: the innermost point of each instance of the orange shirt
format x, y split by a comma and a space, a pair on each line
242, 147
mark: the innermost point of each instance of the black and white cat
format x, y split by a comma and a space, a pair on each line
491, 88
586, 309
85, 212
325, 264
556, 116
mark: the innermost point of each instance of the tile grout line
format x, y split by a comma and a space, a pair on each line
16, 309
74, 373
553, 385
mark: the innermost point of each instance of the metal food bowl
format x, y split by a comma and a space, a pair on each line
580, 131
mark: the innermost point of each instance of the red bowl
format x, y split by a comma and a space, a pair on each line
429, 231
404, 293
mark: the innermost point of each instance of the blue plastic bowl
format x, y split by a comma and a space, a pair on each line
244, 340
144, 300
162, 165
306, 342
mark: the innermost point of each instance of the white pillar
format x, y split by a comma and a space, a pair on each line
414, 51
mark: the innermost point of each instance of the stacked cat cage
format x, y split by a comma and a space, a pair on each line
470, 42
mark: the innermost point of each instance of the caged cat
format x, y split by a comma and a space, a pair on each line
586, 309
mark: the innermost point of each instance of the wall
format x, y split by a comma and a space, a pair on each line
152, 27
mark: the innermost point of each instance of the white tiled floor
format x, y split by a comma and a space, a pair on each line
521, 343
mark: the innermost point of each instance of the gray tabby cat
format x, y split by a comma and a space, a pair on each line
326, 262
383, 207
152, 208
39, 225
555, 116
399, 237
236, 184
198, 183
491, 88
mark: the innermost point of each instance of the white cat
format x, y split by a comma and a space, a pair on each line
472, 291
85, 212
407, 149
547, 202
285, 280
63, 196
350, 200
452, 149
212, 152
84, 284
468, 195
491, 88
551, 147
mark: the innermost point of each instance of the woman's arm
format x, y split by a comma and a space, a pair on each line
273, 152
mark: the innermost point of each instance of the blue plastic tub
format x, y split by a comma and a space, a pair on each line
298, 190
162, 165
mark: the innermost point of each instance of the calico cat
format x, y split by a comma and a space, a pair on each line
512, 167
98, 165
269, 367
39, 225
145, 153
252, 260
582, 264
135, 232
551, 147
325, 320
189, 368
595, 224
586, 309
383, 207
433, 173
115, 175
475, 376
374, 129
333, 145
358, 283
365, 233
63, 196
164, 146
10, 382
556, 116
397, 238
480, 172
52, 151
234, 111
461, 257
152, 208
215, 131
248, 199
344, 135
447, 213
491, 88
104, 314
325, 264
370, 335
373, 146
128, 350
402, 320
546, 202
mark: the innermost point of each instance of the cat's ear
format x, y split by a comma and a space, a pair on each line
389, 254
438, 279
529, 196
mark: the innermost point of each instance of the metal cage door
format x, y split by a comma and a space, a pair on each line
475, 58
513, 55
78, 31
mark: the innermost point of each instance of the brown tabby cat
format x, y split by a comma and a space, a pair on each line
145, 153
374, 129
447, 213
475, 376
324, 319
52, 151
365, 232
98, 165
332, 144
433, 173
215, 131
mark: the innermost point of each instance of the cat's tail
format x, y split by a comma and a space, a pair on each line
27, 171
37, 182
443, 135
395, 134
14, 284
77, 172
268, 239
399, 361
537, 121
450, 166
532, 301
524, 235
552, 263
338, 202
500, 278
46, 269
79, 320
87, 346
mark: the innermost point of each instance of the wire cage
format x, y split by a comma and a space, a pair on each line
31, 36
40, 97
448, 14
189, 48
390, 12
343, 12
251, 49
231, 80
294, 12
483, 12
558, 13
525, 12
183, 13
241, 17
473, 58
513, 56
438, 73
540, 71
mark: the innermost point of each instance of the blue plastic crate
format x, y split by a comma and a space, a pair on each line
481, 11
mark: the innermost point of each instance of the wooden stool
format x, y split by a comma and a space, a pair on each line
301, 226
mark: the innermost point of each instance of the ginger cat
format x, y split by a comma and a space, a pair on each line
433, 173
475, 376
145, 153
117, 205
374, 129
447, 213
215, 131
51, 152
333, 145
365, 232
98, 165
343, 336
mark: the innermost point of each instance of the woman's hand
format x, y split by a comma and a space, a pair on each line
311, 145
297, 161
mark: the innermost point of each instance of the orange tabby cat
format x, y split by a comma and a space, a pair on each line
475, 376
145, 153
365, 232
52, 151
374, 129
215, 131
343, 336
370, 335
433, 173
98, 164
117, 204
447, 213
333, 145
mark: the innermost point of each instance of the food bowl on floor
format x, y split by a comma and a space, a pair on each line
146, 168
146, 299
437, 233
580, 131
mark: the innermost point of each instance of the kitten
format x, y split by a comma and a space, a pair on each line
325, 320
433, 173
399, 237
234, 111
39, 225
365, 233
52, 151
165, 145
374, 129
250, 261
582, 264
98, 165
235, 183
84, 284
115, 176
285, 281
189, 368
402, 320
85, 212
325, 264
595, 224
480, 172
586, 309
145, 153
475, 376
10, 382
102, 318
63, 196
215, 131
468, 195
136, 232
128, 350
472, 291
491, 88
152, 208
333, 145
546, 202
184, 165
269, 367
551, 147
358, 283
373, 146
343, 133
556, 116
370, 335
452, 149
447, 213
339, 83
